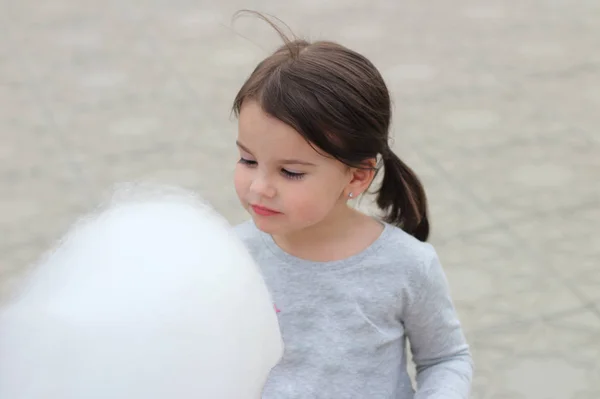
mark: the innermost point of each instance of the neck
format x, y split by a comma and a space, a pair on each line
329, 240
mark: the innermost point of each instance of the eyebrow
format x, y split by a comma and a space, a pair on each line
283, 161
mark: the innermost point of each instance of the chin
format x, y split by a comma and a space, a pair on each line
265, 226
269, 226
275, 228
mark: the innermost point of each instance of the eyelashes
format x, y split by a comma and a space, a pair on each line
247, 162
286, 173
292, 175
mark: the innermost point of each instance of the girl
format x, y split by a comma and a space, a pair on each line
350, 290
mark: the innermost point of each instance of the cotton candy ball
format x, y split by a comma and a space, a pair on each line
152, 297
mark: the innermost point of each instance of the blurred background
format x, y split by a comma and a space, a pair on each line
496, 108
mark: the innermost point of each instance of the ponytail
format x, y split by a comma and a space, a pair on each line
403, 198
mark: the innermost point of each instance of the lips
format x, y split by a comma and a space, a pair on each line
262, 211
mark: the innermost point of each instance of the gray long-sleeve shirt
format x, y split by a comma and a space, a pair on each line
345, 323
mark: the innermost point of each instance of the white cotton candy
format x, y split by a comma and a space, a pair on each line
151, 298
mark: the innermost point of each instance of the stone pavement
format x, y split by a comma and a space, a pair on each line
496, 108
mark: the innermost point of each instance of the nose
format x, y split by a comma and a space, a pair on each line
262, 186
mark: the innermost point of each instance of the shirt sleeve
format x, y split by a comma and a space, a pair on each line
440, 351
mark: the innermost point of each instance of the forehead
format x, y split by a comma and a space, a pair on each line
268, 136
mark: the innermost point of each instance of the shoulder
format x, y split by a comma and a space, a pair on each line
245, 229
249, 234
402, 245
410, 256
418, 270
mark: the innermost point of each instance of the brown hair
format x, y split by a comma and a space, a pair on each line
338, 101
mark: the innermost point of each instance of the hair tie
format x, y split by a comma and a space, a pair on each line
386, 152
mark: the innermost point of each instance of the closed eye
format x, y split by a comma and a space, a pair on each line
286, 173
248, 162
292, 175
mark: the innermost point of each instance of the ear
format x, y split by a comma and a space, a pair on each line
361, 178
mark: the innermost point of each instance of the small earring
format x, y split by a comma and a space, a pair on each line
350, 195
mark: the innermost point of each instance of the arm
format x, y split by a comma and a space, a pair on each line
440, 351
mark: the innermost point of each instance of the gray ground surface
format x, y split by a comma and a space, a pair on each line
496, 108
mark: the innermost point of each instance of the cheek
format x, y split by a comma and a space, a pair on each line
311, 202
241, 180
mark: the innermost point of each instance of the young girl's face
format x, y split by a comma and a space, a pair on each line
281, 180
